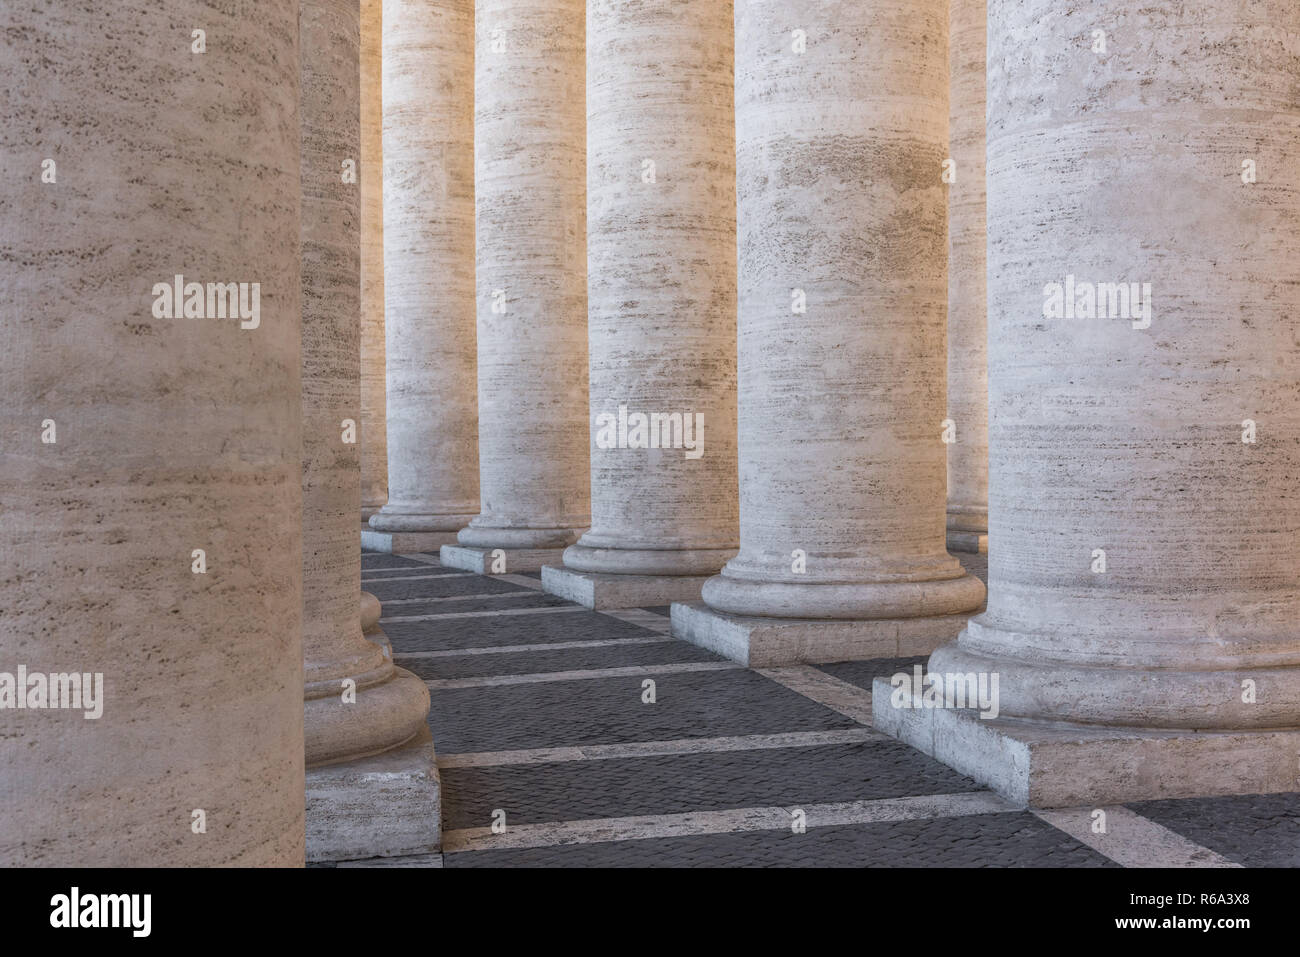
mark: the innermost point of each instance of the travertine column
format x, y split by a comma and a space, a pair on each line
661, 250
1144, 559
374, 443
134, 436
841, 131
357, 703
530, 193
432, 420
968, 382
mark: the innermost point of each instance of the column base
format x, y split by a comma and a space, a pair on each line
1045, 765
403, 543
382, 806
481, 560
764, 642
974, 542
598, 591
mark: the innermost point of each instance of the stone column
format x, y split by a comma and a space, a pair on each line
530, 191
150, 493
968, 381
841, 132
374, 443
1144, 510
357, 703
432, 420
661, 249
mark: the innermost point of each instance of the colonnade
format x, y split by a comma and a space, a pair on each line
615, 236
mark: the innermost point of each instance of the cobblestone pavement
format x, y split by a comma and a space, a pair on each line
597, 739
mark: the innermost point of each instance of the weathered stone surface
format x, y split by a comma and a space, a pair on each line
428, 229
841, 128
620, 591
1124, 436
968, 383
170, 434
382, 806
530, 195
661, 251
498, 561
357, 703
374, 441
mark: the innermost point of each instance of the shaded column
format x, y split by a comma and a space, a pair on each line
1144, 510
661, 250
150, 486
841, 131
530, 193
357, 703
432, 418
968, 383
374, 442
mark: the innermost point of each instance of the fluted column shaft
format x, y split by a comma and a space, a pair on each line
428, 158
968, 452
530, 196
374, 436
1144, 559
661, 251
150, 486
357, 702
841, 130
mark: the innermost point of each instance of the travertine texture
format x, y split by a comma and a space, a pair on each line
374, 443
1129, 440
428, 156
357, 702
968, 455
662, 285
171, 434
530, 195
839, 152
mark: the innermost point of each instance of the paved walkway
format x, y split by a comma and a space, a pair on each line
595, 738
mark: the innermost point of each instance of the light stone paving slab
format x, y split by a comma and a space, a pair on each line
555, 646
442, 684
476, 595
724, 822
1132, 840
551, 609
643, 749
411, 860
836, 694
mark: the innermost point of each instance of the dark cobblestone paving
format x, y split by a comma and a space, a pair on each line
1255, 830
374, 561
672, 784
985, 840
489, 632
862, 673
609, 711
621, 655
531, 599
437, 587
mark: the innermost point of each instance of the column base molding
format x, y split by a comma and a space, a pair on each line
382, 806
599, 591
481, 560
1049, 764
764, 642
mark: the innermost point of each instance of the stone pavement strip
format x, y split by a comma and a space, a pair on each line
568, 737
